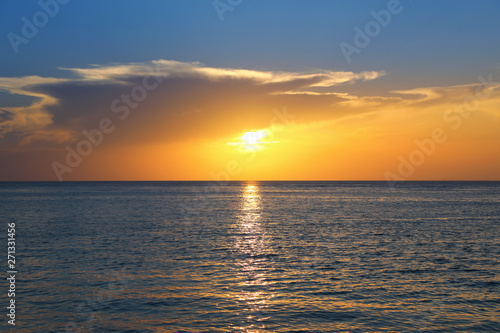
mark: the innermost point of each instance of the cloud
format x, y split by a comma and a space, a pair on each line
5, 115
176, 69
24, 120
189, 100
166, 101
450, 94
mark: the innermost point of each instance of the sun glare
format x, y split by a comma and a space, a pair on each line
253, 138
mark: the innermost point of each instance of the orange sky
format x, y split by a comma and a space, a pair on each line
189, 124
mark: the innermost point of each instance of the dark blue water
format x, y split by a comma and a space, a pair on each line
255, 257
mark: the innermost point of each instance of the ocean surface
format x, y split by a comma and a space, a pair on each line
254, 256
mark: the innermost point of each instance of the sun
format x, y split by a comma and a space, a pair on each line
253, 138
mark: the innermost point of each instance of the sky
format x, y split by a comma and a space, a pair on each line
249, 90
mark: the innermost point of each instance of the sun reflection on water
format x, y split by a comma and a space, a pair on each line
252, 246
251, 206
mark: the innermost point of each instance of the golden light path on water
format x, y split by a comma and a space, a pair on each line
252, 245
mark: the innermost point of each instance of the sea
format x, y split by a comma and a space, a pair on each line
253, 256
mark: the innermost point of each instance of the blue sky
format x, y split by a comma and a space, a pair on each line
443, 40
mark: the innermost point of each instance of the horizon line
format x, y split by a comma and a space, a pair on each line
233, 181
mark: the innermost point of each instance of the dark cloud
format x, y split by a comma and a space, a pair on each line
168, 101
6, 115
